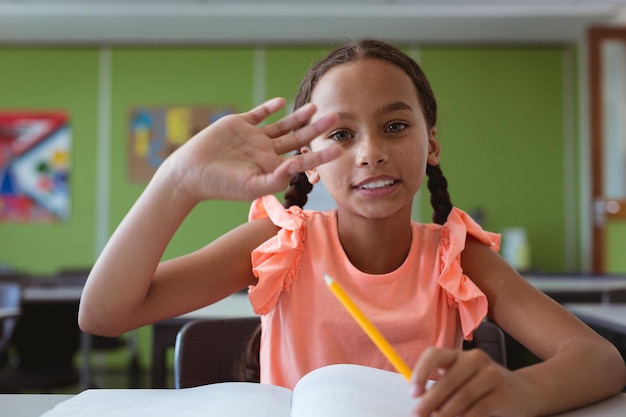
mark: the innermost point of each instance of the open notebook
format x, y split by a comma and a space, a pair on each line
332, 391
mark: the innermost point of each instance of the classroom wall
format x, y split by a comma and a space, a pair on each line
55, 79
505, 125
504, 131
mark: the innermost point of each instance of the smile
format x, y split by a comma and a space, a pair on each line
377, 184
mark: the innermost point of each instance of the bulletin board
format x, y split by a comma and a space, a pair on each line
34, 167
156, 132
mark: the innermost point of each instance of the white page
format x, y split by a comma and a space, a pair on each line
232, 399
352, 390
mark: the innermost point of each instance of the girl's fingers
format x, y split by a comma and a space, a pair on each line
465, 379
475, 395
293, 121
276, 180
431, 361
263, 111
285, 139
301, 137
309, 160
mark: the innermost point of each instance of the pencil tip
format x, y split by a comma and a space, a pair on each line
328, 279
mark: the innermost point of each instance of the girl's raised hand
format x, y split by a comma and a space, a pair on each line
469, 384
235, 159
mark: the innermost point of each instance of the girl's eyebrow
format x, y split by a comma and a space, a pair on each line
346, 115
395, 106
387, 108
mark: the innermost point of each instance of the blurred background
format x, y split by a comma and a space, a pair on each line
95, 94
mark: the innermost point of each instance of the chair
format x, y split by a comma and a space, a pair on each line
101, 344
10, 299
207, 350
489, 338
43, 343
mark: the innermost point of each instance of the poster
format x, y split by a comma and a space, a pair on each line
156, 132
34, 167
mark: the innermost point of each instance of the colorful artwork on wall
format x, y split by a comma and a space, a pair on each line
34, 166
156, 132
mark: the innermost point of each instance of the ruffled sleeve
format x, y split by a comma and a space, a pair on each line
275, 262
462, 292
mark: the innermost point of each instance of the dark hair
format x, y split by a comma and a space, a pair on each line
299, 185
248, 368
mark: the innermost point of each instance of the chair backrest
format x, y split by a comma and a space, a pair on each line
489, 338
10, 297
208, 350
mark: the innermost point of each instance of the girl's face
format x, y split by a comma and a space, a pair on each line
384, 135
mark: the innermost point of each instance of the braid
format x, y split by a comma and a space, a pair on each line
299, 188
439, 196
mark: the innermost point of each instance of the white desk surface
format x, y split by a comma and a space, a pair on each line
34, 405
612, 407
576, 283
236, 305
52, 293
29, 405
608, 316
8, 312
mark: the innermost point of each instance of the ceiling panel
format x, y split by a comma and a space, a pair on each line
301, 21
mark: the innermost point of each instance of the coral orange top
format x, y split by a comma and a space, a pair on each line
427, 301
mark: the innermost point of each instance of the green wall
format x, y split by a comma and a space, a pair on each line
500, 125
501, 132
181, 76
615, 242
55, 79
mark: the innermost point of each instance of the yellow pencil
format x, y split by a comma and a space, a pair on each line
369, 328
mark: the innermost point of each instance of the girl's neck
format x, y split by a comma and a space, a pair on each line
375, 246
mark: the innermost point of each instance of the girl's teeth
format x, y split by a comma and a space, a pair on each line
377, 184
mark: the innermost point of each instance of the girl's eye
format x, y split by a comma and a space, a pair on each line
340, 135
396, 127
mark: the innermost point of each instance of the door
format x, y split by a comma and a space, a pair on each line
607, 72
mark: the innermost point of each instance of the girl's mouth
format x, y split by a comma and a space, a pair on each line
377, 184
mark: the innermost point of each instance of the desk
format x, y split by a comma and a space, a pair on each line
51, 294
48, 318
67, 290
612, 407
8, 312
608, 320
62, 296
29, 405
610, 317
33, 405
580, 289
164, 332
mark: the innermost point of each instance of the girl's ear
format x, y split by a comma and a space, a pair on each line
433, 147
311, 174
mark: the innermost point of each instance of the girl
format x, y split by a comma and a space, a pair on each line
364, 124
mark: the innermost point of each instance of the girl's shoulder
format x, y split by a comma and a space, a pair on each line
458, 227
292, 218
454, 235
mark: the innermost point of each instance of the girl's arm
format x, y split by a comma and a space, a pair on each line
578, 366
231, 159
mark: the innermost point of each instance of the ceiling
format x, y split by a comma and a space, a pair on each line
301, 21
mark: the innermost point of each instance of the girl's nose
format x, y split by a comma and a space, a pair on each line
372, 150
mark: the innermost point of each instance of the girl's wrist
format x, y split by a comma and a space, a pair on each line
533, 394
173, 181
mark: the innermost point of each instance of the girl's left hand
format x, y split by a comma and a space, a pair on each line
469, 384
